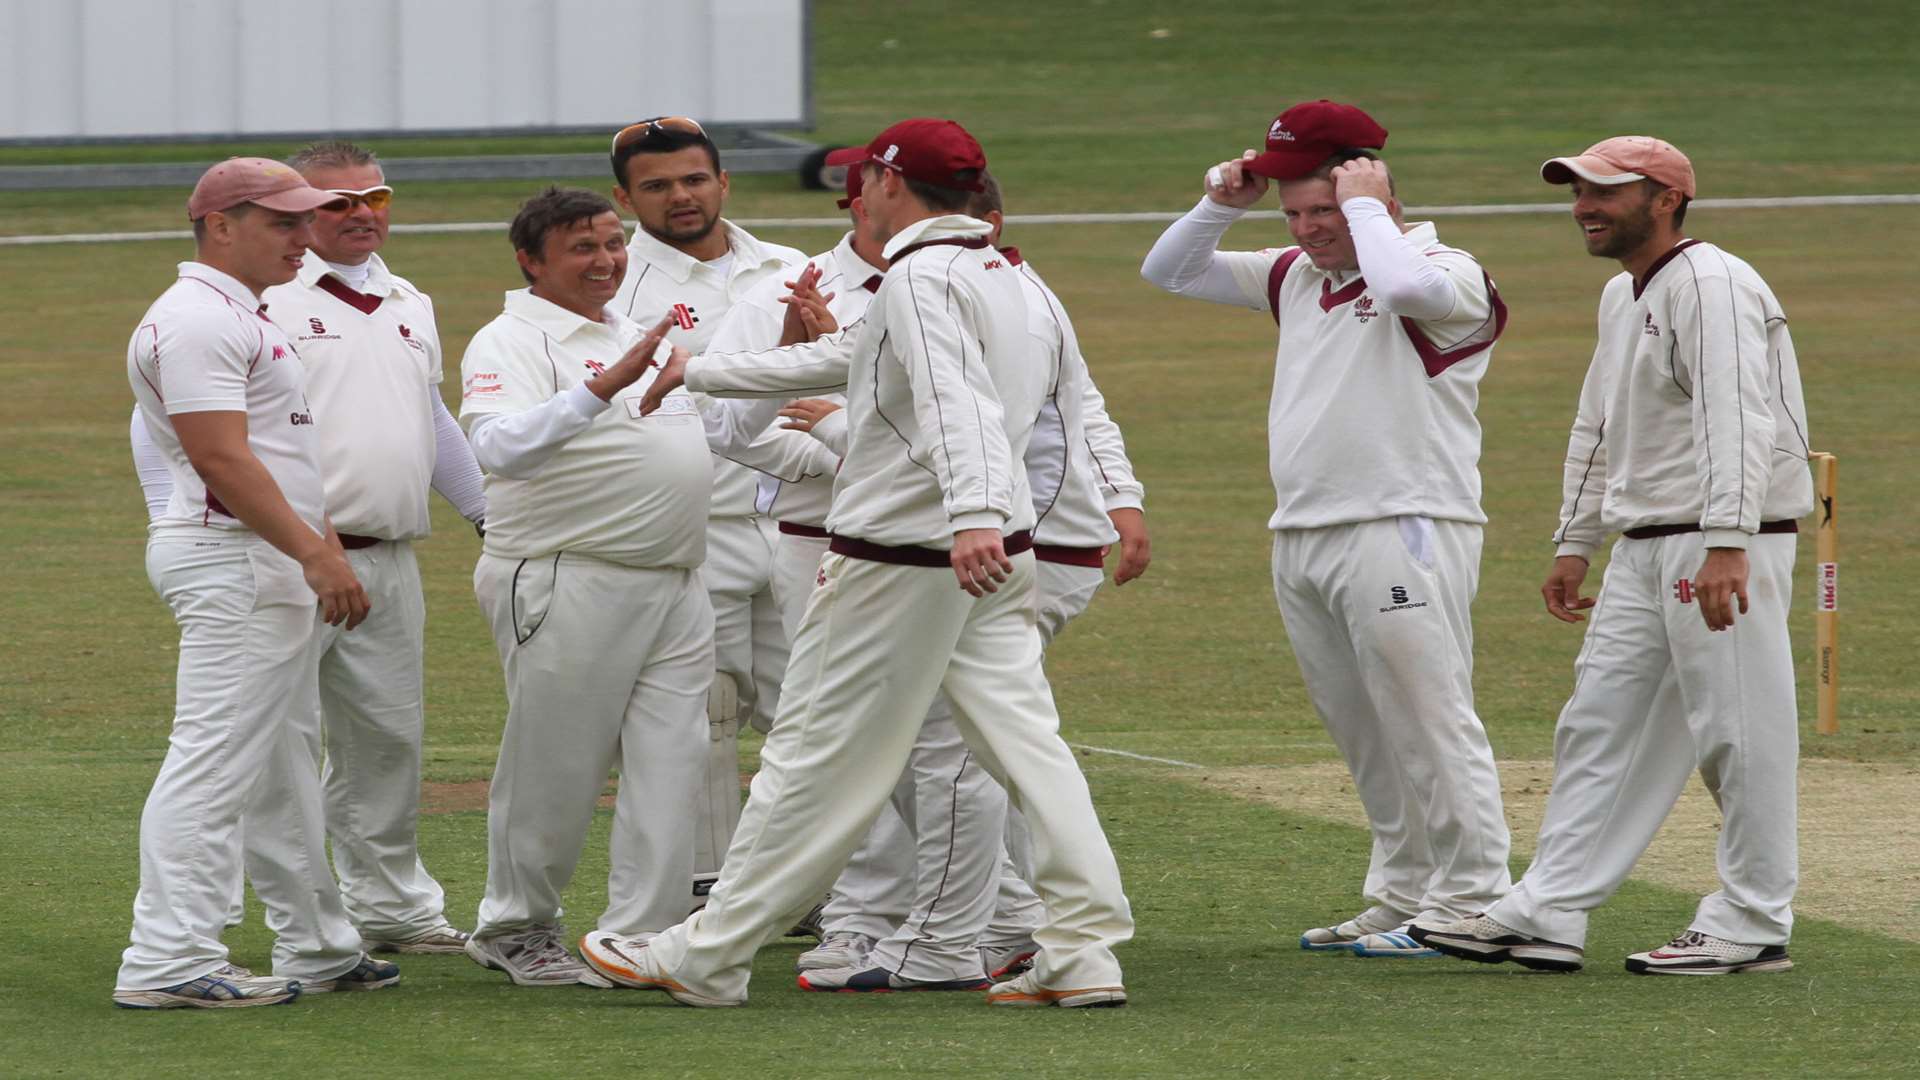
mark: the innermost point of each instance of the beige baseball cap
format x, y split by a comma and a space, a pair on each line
1624, 159
261, 181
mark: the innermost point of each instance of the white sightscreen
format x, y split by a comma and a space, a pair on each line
169, 68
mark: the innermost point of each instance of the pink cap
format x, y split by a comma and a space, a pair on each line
1624, 159
260, 181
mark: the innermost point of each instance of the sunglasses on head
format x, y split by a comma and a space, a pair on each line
375, 198
633, 133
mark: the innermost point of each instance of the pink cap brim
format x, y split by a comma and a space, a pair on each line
299, 200
1563, 170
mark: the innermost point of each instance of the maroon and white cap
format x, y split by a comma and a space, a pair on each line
1301, 138
260, 181
924, 149
1624, 159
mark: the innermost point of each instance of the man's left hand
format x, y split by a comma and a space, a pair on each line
980, 560
1361, 178
1136, 551
1721, 580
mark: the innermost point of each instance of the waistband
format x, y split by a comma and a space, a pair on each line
354, 542
914, 555
1069, 556
1654, 532
794, 528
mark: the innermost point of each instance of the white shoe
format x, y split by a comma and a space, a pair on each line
1392, 943
1695, 953
229, 987
1490, 941
1005, 961
368, 974
840, 948
627, 961
1340, 938
1025, 991
532, 957
442, 939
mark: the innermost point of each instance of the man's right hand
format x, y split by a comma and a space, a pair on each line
634, 364
342, 598
808, 317
1562, 589
1230, 184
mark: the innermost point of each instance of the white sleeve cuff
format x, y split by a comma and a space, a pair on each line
1576, 548
1726, 538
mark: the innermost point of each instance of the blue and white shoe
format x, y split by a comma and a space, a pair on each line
230, 987
1341, 938
1395, 943
368, 974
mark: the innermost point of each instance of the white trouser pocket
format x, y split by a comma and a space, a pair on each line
534, 582
1417, 533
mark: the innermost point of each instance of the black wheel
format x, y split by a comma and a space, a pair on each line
815, 175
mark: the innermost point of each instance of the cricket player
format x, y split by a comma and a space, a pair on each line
1384, 334
589, 576
912, 909
686, 259
1691, 443
941, 393
241, 555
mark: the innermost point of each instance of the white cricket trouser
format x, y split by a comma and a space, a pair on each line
606, 666
750, 646
372, 708
1657, 695
246, 666
1378, 616
932, 879
877, 642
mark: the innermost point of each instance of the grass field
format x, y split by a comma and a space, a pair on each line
1082, 108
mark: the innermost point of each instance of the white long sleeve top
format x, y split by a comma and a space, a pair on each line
1377, 372
941, 392
1691, 412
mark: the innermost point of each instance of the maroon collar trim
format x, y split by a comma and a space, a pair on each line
1012, 253
1331, 298
341, 291
1640, 284
975, 242
872, 284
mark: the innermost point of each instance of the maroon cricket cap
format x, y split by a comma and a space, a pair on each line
924, 149
1301, 138
260, 181
851, 157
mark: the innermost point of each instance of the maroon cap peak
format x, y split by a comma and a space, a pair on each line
1305, 135
929, 150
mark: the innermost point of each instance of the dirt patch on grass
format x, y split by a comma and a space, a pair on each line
1859, 840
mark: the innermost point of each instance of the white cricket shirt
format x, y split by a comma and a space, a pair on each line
373, 362
207, 345
1372, 414
627, 489
754, 324
1070, 500
662, 279
941, 386
1691, 412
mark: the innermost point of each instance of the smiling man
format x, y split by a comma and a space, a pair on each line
686, 259
1384, 334
1690, 441
241, 553
590, 579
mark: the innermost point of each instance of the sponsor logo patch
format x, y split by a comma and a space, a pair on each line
319, 327
683, 317
1829, 579
1363, 309
596, 367
1650, 329
1683, 591
481, 383
301, 419
1398, 599
1279, 132
406, 335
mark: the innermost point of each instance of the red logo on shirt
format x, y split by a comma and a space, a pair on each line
279, 353
1363, 309
406, 335
993, 264
1683, 591
404, 332
683, 316
596, 367
318, 326
1651, 330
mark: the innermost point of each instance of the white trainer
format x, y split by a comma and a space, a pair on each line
627, 961
1490, 941
1006, 960
1695, 953
229, 987
1025, 991
1392, 943
1340, 938
443, 939
532, 957
839, 949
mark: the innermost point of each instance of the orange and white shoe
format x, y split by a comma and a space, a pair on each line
626, 961
1026, 992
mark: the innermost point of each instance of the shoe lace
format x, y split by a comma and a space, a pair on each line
1691, 939
541, 948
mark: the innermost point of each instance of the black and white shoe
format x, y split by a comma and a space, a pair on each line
1695, 953
1489, 941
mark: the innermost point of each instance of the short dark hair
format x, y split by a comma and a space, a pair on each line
1324, 170
554, 208
987, 199
331, 154
1655, 187
662, 140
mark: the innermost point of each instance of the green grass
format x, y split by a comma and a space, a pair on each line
1080, 109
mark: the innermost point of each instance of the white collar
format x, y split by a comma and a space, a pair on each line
856, 269
379, 281
749, 253
941, 227
228, 285
552, 319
